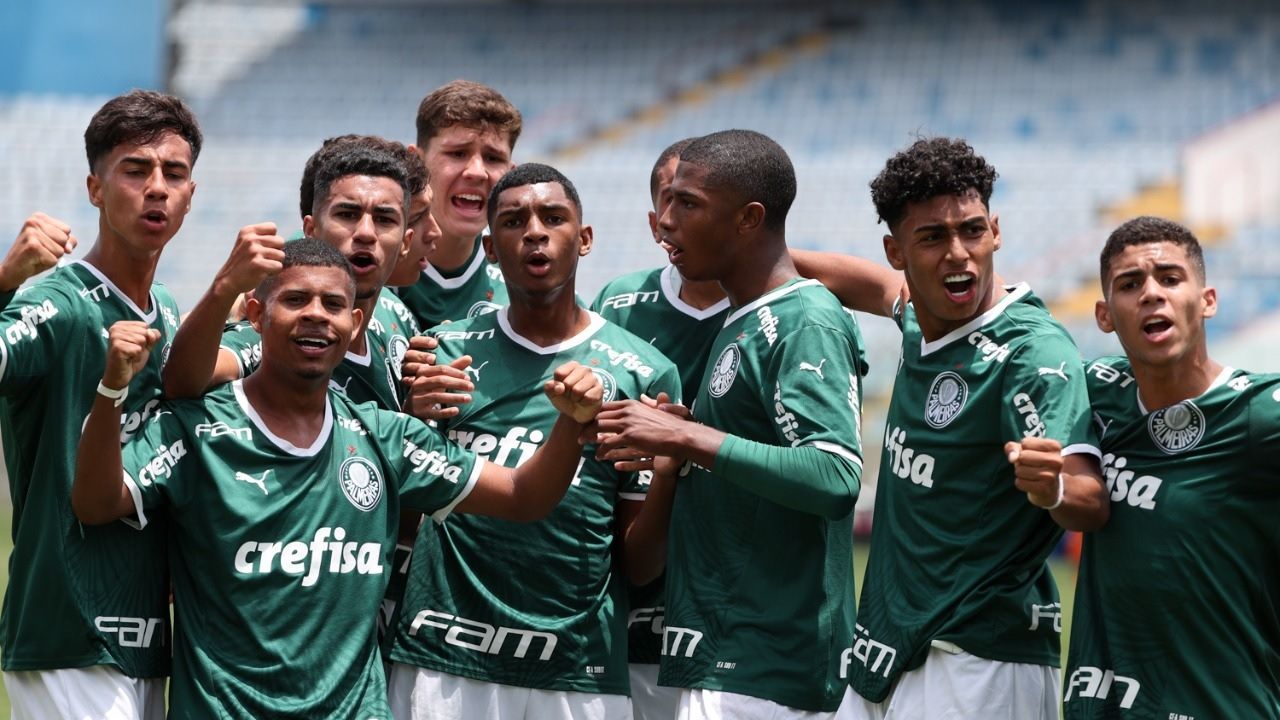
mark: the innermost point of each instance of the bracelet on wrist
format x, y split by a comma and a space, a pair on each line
117, 396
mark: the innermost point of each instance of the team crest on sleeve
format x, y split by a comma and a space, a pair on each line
1177, 428
725, 370
607, 382
946, 399
484, 307
360, 483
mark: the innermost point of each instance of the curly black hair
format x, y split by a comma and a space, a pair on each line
929, 168
1146, 230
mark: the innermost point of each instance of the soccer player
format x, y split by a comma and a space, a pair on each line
85, 622
987, 450
682, 317
284, 498
548, 590
759, 583
465, 133
1177, 612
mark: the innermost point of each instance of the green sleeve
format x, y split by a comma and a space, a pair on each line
803, 478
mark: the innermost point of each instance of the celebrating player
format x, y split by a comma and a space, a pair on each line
85, 623
759, 589
284, 499
1176, 612
552, 584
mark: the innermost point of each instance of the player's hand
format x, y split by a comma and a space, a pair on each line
1036, 465
629, 426
422, 351
575, 391
258, 253
638, 460
129, 343
41, 243
436, 391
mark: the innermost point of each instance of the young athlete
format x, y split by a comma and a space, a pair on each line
759, 589
959, 616
85, 624
465, 133
681, 317
1177, 613
284, 499
551, 587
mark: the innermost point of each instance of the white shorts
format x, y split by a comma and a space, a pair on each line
92, 693
649, 700
959, 686
421, 694
700, 704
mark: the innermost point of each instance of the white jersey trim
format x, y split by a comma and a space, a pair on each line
1082, 449
1016, 292
145, 316
4, 358
592, 328
443, 513
362, 360
635, 497
323, 437
239, 364
767, 298
835, 449
136, 494
671, 281
454, 283
1222, 378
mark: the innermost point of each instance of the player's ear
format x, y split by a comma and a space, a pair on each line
1210, 298
253, 311
308, 226
489, 254
1102, 315
406, 243
586, 238
653, 224
995, 230
357, 317
751, 217
893, 253
94, 186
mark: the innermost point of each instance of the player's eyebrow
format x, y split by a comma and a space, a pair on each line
933, 227
147, 162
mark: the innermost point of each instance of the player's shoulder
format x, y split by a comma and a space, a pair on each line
469, 332
804, 304
390, 304
622, 290
611, 335
1026, 319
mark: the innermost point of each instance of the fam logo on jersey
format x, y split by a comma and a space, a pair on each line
484, 307
946, 399
607, 382
1092, 682
1177, 428
724, 371
360, 483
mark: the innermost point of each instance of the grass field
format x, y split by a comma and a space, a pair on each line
1062, 570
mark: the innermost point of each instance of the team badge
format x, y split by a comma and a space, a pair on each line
397, 346
360, 483
725, 370
483, 308
607, 382
946, 399
1177, 428
164, 355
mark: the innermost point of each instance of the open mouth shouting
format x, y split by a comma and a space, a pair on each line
1157, 329
468, 203
362, 262
537, 263
961, 287
155, 220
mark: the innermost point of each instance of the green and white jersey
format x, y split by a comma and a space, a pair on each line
958, 555
78, 595
1177, 611
647, 303
280, 553
371, 377
477, 289
529, 604
759, 596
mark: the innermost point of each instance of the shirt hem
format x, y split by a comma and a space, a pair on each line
473, 674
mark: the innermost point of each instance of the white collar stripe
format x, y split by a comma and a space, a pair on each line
285, 445
767, 298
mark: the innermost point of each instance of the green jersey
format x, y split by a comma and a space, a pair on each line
530, 604
78, 595
281, 552
371, 377
958, 555
760, 596
1177, 612
647, 303
477, 289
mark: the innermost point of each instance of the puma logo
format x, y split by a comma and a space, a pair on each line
816, 369
260, 482
340, 387
474, 370
1059, 371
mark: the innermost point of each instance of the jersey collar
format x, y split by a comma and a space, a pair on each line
670, 281
477, 261
323, 437
504, 323
1016, 293
769, 297
1221, 379
147, 317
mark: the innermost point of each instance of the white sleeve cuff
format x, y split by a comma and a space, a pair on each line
139, 520
440, 515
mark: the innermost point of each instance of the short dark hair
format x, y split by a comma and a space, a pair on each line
469, 104
929, 168
673, 151
307, 252
749, 164
1148, 230
533, 174
354, 155
416, 168
139, 117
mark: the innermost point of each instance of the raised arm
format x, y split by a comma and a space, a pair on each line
1070, 488
40, 244
859, 283
99, 494
195, 361
533, 489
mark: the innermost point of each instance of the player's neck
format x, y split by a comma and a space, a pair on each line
359, 343
700, 294
131, 274
548, 319
291, 407
452, 253
768, 267
1160, 386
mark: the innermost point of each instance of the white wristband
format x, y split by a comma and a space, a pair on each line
1062, 491
119, 395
